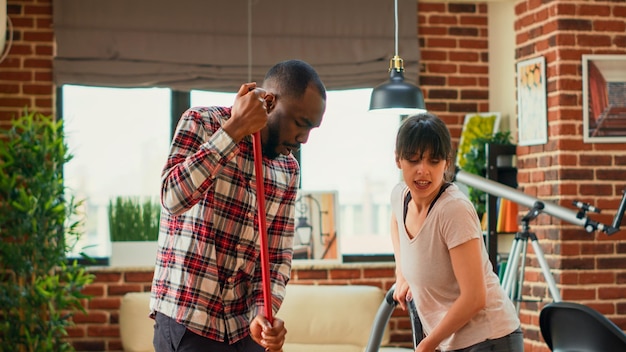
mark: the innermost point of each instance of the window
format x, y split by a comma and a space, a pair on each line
120, 139
351, 153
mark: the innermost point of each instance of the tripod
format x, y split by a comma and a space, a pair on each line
513, 279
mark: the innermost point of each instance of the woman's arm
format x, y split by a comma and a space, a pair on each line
468, 270
401, 292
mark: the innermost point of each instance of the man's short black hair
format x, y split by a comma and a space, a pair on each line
292, 77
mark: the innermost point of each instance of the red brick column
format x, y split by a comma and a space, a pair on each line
589, 268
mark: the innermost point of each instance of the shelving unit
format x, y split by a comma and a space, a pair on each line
505, 174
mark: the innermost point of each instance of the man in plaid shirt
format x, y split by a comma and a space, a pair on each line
207, 288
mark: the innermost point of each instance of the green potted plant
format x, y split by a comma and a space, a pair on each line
40, 290
134, 229
476, 163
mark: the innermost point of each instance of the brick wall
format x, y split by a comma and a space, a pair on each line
26, 73
453, 41
588, 268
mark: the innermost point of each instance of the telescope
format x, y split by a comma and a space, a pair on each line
580, 218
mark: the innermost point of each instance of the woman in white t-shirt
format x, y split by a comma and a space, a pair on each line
442, 262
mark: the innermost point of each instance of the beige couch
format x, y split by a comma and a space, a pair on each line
136, 327
329, 318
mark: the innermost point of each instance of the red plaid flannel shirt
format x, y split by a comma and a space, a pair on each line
208, 271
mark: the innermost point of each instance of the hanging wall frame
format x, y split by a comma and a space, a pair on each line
604, 98
532, 112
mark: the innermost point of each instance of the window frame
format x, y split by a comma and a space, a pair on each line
180, 102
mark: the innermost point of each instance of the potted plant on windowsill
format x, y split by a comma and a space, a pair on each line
134, 229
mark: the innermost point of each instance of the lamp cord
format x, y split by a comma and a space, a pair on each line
249, 40
396, 22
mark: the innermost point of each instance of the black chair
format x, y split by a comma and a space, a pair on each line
569, 327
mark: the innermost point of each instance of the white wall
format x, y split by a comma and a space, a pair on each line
502, 96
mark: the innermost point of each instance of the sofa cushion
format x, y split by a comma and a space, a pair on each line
330, 315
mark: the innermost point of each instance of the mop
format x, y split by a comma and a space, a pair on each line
260, 193
260, 196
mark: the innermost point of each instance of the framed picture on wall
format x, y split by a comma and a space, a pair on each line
476, 125
316, 226
604, 98
532, 111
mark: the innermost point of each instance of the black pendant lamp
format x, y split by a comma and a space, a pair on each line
397, 96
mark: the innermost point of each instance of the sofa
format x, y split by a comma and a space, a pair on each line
329, 318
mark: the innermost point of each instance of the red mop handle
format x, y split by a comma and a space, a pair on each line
260, 197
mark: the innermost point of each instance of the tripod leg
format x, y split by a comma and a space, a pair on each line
554, 291
510, 273
520, 281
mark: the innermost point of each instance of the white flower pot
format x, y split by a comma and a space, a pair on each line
133, 253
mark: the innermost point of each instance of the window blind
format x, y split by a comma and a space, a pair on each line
202, 44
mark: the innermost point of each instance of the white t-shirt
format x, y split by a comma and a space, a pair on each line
426, 265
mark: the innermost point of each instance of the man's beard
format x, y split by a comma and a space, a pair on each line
270, 146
